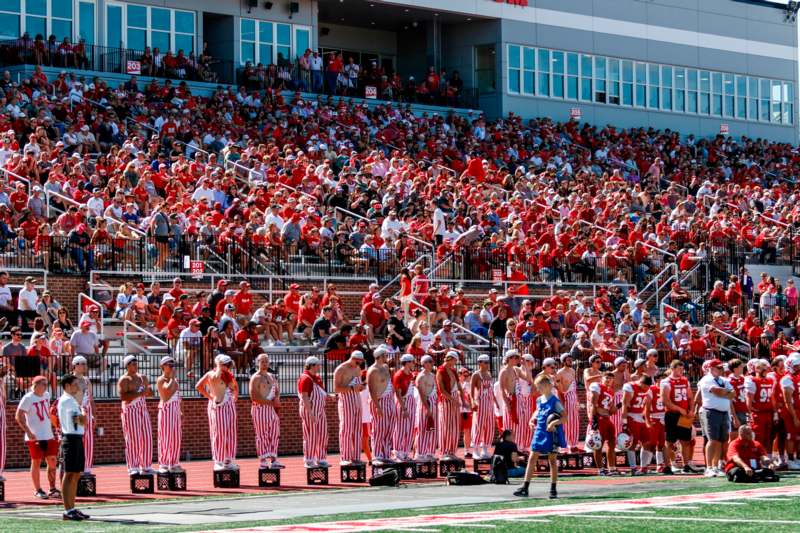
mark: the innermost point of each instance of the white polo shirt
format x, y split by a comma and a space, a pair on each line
710, 400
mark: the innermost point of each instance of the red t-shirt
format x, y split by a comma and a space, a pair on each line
243, 302
306, 383
374, 314
292, 301
401, 381
307, 314
747, 450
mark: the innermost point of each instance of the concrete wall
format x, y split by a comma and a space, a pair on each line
360, 39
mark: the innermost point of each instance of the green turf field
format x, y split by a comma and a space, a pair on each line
775, 515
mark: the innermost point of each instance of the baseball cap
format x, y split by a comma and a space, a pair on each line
230, 307
128, 360
78, 360
222, 283
565, 356
484, 358
451, 355
357, 354
426, 359
620, 360
223, 359
86, 324
714, 363
166, 360
312, 361
407, 358
167, 297
194, 322
638, 363
548, 361
447, 323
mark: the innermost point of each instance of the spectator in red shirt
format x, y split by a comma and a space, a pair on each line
292, 301
247, 341
373, 317
177, 288
306, 316
243, 300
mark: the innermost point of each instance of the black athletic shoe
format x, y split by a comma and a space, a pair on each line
689, 469
668, 471
553, 494
83, 515
72, 515
522, 492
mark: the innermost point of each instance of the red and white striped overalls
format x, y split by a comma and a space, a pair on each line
315, 426
483, 418
350, 423
138, 434
169, 431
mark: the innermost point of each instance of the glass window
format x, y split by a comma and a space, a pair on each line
137, 16
159, 19
528, 82
572, 64
248, 30
248, 52
36, 7
600, 79
558, 77
586, 77
265, 54
680, 101
691, 78
680, 78
641, 84
113, 26
741, 97
558, 62
705, 103
717, 101
627, 94
627, 71
528, 58
136, 39
543, 79
653, 78
36, 26
513, 68
572, 87
691, 101
284, 34
9, 26
160, 40
60, 9
61, 28
716, 82
705, 81
544, 60
12, 6
729, 92
303, 38
265, 32
86, 29
184, 42
184, 22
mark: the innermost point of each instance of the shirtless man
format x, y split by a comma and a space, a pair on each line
86, 401
483, 404
567, 388
449, 399
133, 389
383, 408
347, 384
170, 426
508, 376
3, 373
426, 412
651, 363
526, 396
403, 384
219, 387
622, 375
266, 399
592, 374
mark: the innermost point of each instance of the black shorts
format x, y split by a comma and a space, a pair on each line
162, 239
673, 431
72, 457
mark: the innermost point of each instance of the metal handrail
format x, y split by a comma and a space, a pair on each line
129, 328
657, 249
733, 338
352, 214
397, 277
481, 338
23, 179
74, 202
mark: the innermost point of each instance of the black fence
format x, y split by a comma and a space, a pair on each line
114, 60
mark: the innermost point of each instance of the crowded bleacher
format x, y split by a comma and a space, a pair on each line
478, 235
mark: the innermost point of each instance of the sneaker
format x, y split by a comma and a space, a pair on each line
468, 455
176, 469
553, 494
72, 515
637, 472
602, 472
659, 469
277, 464
263, 463
231, 466
148, 471
377, 462
163, 470
345, 463
82, 514
690, 469
218, 467
42, 495
310, 464
709, 473
668, 471
324, 464
54, 493
522, 492
793, 465
2, 478
133, 471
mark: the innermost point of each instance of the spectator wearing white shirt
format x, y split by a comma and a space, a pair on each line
96, 204
203, 192
34, 420
392, 227
27, 301
716, 394
274, 217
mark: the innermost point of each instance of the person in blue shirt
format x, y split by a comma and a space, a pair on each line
548, 435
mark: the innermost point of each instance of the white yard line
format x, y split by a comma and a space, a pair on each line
723, 503
529, 520
687, 519
678, 506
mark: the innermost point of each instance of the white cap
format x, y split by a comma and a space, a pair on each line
128, 360
380, 351
223, 359
779, 358
310, 361
357, 354
79, 360
484, 358
509, 354
451, 355
166, 360
407, 358
426, 359
620, 360
652, 351
548, 361
166, 297
565, 356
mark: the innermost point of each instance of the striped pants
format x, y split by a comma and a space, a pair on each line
2, 437
222, 429
138, 435
267, 427
383, 426
616, 418
169, 434
449, 427
315, 433
483, 423
88, 439
523, 432
403, 438
349, 407
572, 422
426, 438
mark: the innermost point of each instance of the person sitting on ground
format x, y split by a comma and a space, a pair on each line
748, 461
